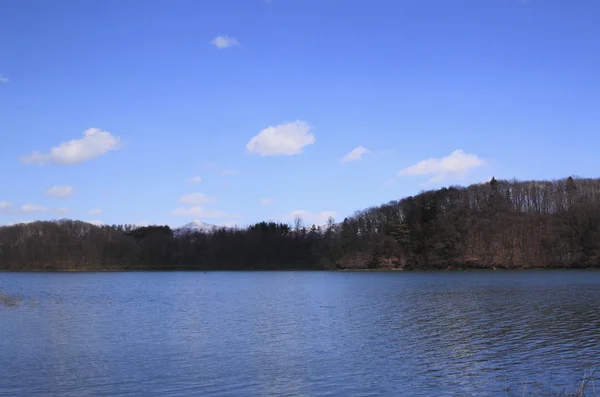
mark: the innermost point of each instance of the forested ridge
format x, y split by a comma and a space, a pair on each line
501, 224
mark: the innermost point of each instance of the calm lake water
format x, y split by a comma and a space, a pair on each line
298, 333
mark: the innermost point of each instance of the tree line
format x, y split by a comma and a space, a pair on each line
499, 224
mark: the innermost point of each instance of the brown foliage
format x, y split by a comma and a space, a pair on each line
506, 224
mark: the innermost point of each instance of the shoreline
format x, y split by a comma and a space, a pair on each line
358, 270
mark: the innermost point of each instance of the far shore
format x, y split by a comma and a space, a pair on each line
358, 270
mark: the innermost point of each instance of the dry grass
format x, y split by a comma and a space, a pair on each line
10, 300
584, 387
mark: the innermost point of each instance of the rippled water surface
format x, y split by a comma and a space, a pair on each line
298, 333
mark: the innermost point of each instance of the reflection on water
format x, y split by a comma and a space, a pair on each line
298, 334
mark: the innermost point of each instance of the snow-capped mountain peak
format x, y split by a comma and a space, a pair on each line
198, 226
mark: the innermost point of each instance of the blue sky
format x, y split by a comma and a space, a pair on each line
109, 109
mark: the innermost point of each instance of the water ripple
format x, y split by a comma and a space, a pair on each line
298, 334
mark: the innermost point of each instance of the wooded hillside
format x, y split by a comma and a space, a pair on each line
502, 224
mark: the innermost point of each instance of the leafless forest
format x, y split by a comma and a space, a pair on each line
501, 224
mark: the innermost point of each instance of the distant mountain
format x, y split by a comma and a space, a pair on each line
197, 226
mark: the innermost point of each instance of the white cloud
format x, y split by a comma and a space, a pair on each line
319, 218
96, 222
94, 143
199, 212
95, 211
142, 223
224, 42
3, 80
5, 207
267, 201
194, 180
458, 163
355, 154
62, 210
196, 199
64, 191
283, 139
30, 208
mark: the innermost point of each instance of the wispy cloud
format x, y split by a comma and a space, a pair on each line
229, 172
195, 180
389, 182
22, 222
95, 211
196, 199
285, 139
225, 41
3, 80
5, 207
64, 191
31, 208
458, 163
94, 143
201, 212
355, 154
266, 201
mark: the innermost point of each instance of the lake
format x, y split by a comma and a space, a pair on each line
299, 333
